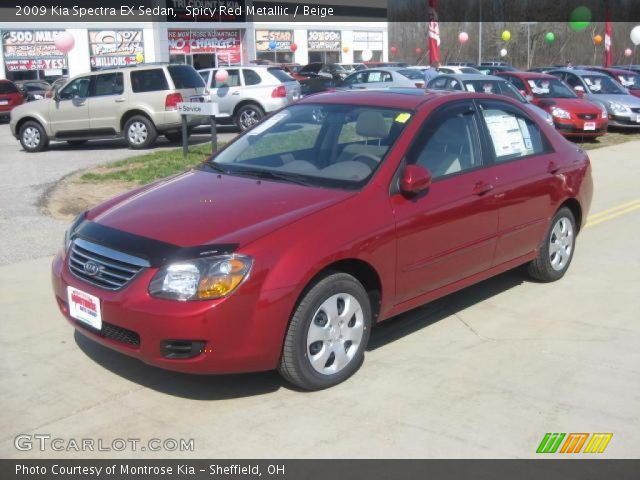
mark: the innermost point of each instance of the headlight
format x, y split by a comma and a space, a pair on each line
605, 114
71, 230
202, 279
619, 108
560, 113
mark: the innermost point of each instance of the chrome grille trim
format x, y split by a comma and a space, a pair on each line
114, 269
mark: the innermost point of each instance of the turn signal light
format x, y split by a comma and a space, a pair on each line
172, 101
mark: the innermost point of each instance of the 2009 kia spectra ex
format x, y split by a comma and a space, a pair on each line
335, 213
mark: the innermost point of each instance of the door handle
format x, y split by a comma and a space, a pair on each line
121, 100
235, 93
553, 168
481, 188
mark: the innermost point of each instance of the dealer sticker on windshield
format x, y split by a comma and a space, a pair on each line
403, 117
84, 307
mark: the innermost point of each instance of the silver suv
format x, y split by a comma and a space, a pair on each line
136, 103
249, 93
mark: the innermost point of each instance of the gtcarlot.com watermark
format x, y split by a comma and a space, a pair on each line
47, 443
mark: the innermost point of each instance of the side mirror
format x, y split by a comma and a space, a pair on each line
415, 179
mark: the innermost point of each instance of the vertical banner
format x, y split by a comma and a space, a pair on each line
608, 32
434, 34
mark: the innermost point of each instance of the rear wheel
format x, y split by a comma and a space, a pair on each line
556, 252
140, 132
33, 138
328, 334
247, 116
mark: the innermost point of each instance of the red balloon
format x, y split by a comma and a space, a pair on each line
394, 50
418, 50
294, 47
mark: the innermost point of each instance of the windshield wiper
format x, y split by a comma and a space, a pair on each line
270, 174
215, 166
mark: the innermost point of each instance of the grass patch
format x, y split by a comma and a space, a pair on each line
144, 169
611, 138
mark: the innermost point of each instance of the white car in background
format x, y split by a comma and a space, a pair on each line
251, 92
457, 69
384, 77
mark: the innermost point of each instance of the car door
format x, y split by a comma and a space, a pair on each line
450, 232
525, 170
377, 79
226, 94
107, 103
69, 112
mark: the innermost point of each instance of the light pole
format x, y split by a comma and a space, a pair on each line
528, 24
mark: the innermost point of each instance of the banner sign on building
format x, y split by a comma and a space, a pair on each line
324, 40
26, 50
283, 39
114, 48
189, 42
207, 10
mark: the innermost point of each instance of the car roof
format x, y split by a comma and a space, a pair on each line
471, 76
404, 98
578, 71
614, 70
529, 75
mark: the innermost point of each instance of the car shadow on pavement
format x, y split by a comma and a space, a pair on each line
195, 387
422, 317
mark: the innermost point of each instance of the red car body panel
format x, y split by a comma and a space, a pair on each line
581, 111
418, 250
8, 101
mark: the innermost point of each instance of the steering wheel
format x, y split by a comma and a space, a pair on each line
369, 159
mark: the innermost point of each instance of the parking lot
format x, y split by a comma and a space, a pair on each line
483, 373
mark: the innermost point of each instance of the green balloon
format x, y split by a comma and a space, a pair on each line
580, 18
550, 37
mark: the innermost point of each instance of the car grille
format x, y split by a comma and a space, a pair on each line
587, 116
115, 333
635, 110
102, 266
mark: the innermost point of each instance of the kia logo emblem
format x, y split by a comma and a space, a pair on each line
92, 268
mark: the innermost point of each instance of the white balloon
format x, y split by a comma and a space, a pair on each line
503, 52
367, 55
635, 35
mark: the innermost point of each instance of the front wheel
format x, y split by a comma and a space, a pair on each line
328, 334
140, 132
556, 252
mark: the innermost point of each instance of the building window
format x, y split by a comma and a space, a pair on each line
115, 48
206, 48
324, 46
274, 45
367, 41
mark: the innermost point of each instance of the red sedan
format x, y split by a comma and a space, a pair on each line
335, 213
10, 97
572, 115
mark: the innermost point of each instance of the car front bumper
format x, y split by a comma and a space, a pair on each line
575, 127
241, 333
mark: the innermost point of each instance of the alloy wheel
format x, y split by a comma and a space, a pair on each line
561, 244
248, 118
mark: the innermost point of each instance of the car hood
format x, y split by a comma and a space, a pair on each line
199, 208
574, 105
625, 99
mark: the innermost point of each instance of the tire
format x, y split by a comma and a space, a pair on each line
176, 137
248, 115
33, 138
75, 143
337, 312
556, 252
140, 132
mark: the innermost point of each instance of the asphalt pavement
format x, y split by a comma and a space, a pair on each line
483, 373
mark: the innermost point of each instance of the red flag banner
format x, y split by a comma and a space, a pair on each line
434, 34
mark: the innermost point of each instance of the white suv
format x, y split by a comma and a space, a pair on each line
251, 92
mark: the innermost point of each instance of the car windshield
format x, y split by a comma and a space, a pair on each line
602, 85
411, 73
468, 70
497, 87
338, 146
629, 80
550, 88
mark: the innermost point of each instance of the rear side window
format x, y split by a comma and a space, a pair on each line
412, 74
251, 77
8, 87
108, 84
281, 75
232, 81
149, 81
512, 134
185, 76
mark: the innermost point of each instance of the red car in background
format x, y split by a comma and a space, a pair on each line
337, 212
572, 115
627, 78
10, 97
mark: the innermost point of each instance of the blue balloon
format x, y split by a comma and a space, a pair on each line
273, 44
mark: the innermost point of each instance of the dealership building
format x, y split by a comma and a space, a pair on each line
29, 52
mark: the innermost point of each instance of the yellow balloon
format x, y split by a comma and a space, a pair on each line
506, 35
139, 57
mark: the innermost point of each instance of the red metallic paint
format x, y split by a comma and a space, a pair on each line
419, 248
13, 100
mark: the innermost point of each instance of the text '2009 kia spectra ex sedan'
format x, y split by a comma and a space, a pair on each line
337, 212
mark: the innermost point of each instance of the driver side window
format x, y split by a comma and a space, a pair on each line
78, 88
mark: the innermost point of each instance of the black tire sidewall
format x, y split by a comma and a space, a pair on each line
151, 132
254, 107
316, 296
549, 271
44, 138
